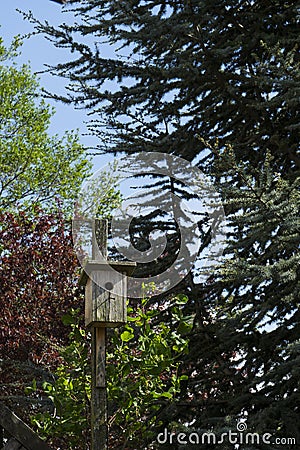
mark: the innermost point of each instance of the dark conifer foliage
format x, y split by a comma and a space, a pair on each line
223, 67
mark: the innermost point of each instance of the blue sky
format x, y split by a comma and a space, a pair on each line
38, 51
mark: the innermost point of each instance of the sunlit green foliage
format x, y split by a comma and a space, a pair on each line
34, 166
143, 376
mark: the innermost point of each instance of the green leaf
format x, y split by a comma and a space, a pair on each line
167, 395
127, 336
183, 377
181, 299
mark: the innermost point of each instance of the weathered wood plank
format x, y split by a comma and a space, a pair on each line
101, 357
100, 234
99, 396
20, 431
102, 307
98, 400
12, 444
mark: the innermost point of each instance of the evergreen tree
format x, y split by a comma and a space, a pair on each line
247, 367
179, 68
217, 83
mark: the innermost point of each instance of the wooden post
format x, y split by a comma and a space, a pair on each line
105, 306
98, 393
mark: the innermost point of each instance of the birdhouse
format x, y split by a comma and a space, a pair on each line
106, 292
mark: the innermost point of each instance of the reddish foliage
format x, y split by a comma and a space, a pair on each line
38, 285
